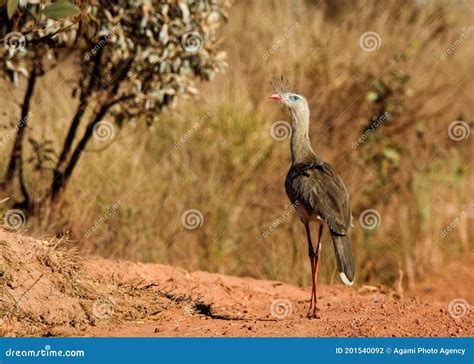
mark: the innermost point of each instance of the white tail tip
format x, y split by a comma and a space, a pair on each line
345, 280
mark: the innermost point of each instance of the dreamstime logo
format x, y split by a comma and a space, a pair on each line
370, 219
192, 42
21, 124
110, 211
458, 130
280, 130
287, 33
465, 33
370, 41
465, 212
193, 130
458, 308
14, 41
103, 131
286, 213
103, 308
376, 122
14, 219
281, 308
192, 219
104, 37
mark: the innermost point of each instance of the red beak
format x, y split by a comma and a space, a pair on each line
276, 97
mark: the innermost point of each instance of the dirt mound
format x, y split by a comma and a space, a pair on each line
47, 290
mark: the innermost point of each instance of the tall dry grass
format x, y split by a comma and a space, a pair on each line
216, 154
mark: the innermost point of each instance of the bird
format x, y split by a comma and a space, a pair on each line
317, 192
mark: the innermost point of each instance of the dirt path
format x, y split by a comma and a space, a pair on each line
231, 306
48, 291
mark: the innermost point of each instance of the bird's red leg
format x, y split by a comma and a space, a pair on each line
315, 275
312, 304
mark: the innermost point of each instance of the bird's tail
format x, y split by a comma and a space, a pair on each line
345, 259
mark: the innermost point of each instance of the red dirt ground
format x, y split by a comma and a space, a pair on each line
52, 292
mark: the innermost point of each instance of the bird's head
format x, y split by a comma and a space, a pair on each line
294, 102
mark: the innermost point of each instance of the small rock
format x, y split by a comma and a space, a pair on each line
156, 330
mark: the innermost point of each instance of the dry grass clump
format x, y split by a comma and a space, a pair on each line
45, 290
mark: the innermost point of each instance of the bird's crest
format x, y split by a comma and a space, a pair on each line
280, 84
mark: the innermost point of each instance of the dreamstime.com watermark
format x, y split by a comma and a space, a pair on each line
110, 211
197, 125
192, 42
14, 42
103, 308
370, 41
104, 37
459, 130
459, 308
465, 33
377, 121
284, 215
192, 219
280, 130
14, 219
103, 131
281, 308
465, 212
287, 33
21, 124
370, 219
46, 352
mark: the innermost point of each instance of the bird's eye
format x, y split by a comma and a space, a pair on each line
294, 98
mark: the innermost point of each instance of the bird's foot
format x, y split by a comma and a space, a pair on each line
313, 313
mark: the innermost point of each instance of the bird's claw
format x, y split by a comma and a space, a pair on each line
313, 313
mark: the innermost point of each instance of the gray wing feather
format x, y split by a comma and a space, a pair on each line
321, 190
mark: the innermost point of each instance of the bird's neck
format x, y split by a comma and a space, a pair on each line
301, 150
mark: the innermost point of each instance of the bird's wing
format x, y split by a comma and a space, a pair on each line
320, 189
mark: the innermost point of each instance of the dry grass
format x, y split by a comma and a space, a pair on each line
45, 290
232, 171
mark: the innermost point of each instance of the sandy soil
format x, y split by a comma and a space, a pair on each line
47, 291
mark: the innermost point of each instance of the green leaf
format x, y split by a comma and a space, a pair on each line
60, 10
11, 8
